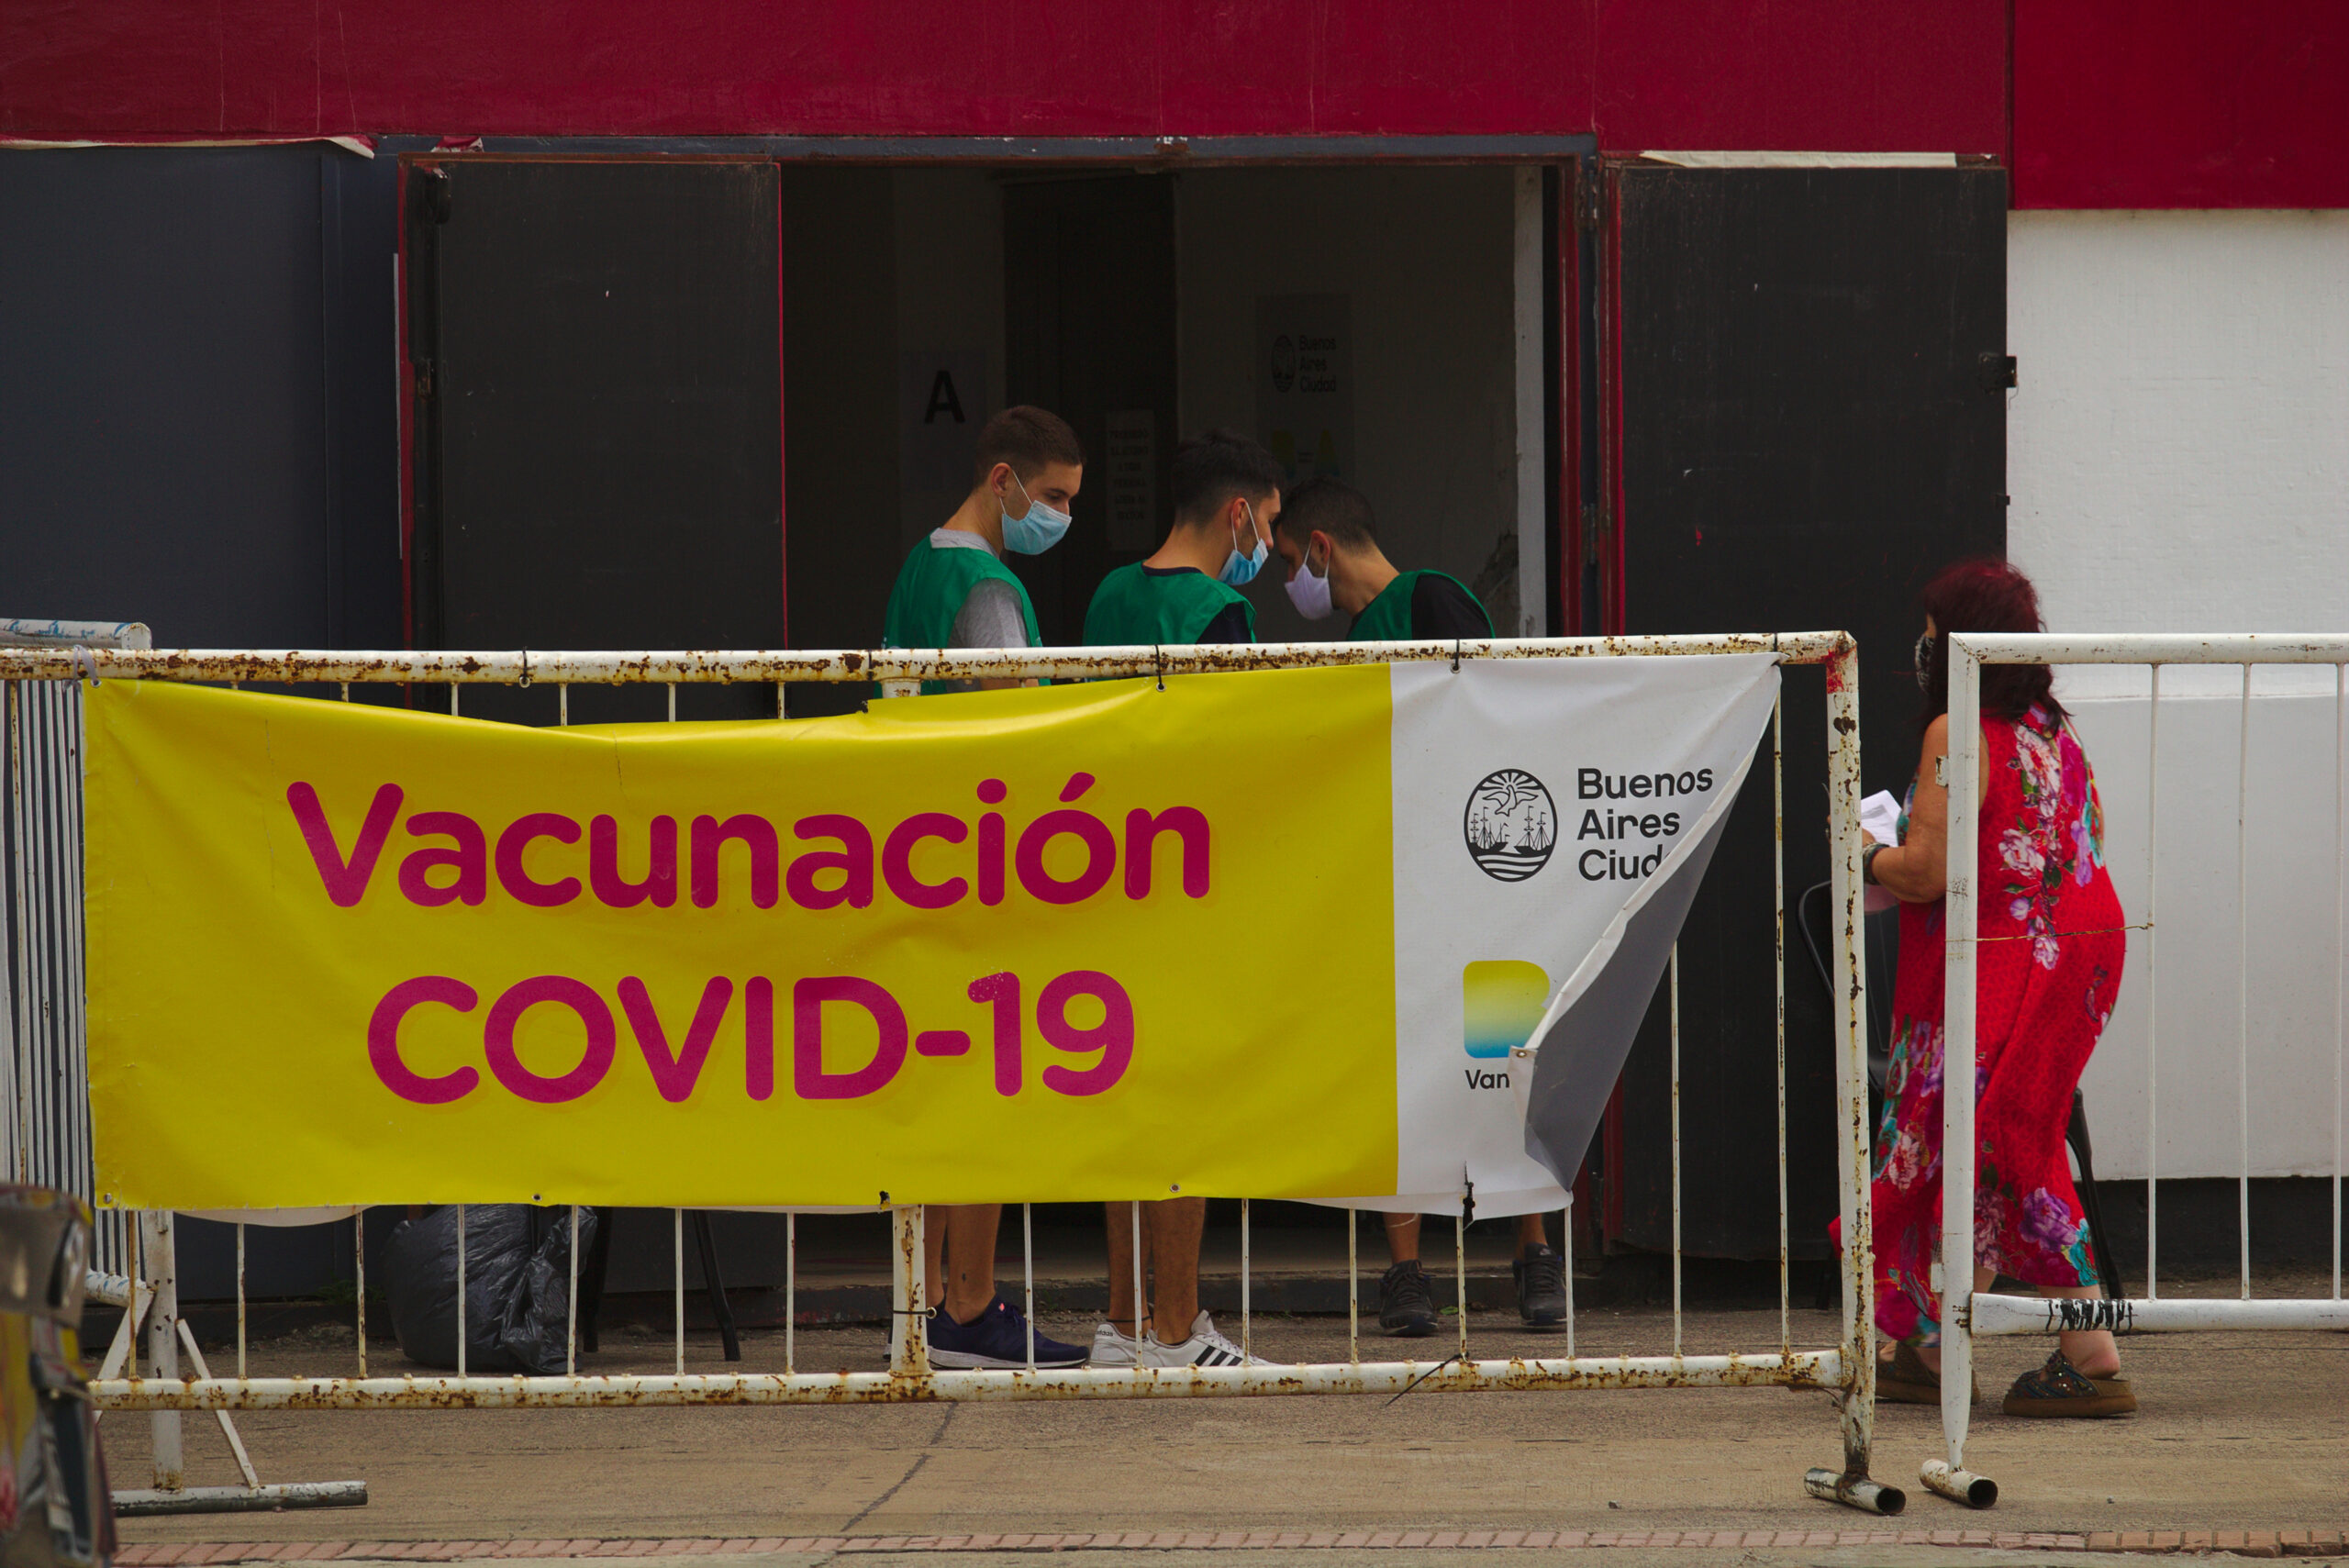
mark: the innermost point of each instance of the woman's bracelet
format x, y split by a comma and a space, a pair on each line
1867, 863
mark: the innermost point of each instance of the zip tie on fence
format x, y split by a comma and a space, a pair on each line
1455, 1356
1455, 656
85, 665
1158, 658
525, 682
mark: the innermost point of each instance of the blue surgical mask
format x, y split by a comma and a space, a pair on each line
1035, 530
1239, 569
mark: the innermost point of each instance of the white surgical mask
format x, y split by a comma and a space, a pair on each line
1035, 530
1239, 569
1309, 594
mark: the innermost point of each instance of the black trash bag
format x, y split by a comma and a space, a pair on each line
517, 1265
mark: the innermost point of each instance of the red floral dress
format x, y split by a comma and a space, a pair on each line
2047, 967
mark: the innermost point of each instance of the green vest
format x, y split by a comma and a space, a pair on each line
931, 589
1132, 607
1387, 618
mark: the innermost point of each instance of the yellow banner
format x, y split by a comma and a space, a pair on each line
1096, 941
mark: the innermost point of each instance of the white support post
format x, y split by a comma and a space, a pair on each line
1961, 928
164, 1341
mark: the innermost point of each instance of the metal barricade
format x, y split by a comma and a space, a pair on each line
1969, 1313
1846, 1368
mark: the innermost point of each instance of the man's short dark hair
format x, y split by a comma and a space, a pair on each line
1211, 470
1328, 506
1030, 439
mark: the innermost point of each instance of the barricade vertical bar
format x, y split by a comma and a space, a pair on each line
909, 1294
1673, 982
12, 1047
359, 1272
1027, 1275
2340, 909
673, 702
1353, 1288
571, 1303
460, 1290
790, 1292
453, 699
1244, 1306
563, 703
1567, 1253
1139, 1313
1959, 1052
1778, 909
1853, 1485
678, 1276
2152, 989
2243, 988
240, 1300
1460, 1273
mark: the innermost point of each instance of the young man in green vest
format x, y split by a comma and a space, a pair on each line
1227, 491
1327, 540
956, 592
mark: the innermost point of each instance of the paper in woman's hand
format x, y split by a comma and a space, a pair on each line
1880, 818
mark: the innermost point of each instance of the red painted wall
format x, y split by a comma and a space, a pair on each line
1824, 73
2117, 103
2167, 104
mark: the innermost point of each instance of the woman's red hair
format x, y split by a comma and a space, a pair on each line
1984, 594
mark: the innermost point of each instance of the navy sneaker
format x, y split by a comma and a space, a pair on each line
997, 1337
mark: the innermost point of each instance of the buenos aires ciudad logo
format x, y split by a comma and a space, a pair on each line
1510, 824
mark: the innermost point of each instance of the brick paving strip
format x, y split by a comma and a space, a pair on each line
2242, 1543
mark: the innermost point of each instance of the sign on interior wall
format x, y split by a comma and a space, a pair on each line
1304, 395
942, 403
1133, 464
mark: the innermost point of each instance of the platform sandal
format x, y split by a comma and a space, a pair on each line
2060, 1390
1907, 1380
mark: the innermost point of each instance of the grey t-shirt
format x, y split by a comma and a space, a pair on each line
990, 616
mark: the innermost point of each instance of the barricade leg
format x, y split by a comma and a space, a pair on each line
909, 1294
163, 1342
1852, 1485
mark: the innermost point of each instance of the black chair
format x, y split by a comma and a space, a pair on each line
1880, 945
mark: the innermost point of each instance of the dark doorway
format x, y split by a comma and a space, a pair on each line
1090, 291
597, 415
1807, 420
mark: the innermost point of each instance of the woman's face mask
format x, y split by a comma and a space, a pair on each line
1925, 661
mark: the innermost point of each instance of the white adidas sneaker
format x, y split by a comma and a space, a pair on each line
1204, 1348
1112, 1349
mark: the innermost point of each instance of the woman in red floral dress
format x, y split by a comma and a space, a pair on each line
2047, 966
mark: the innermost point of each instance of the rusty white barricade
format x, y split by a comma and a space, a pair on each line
1846, 1368
1969, 1313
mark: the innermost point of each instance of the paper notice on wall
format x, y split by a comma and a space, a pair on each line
1132, 462
1305, 398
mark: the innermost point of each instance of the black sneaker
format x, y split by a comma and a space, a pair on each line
1406, 1310
1541, 1287
995, 1338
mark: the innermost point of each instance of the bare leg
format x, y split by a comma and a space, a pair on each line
933, 1253
969, 1229
1402, 1238
1119, 1219
2092, 1350
1172, 1228
1532, 1232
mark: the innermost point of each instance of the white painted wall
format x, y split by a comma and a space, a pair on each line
2178, 460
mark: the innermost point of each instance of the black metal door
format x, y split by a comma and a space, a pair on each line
597, 414
1807, 420
1089, 329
